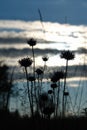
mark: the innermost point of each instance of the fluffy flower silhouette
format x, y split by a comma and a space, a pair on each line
45, 58
50, 91
68, 55
39, 71
31, 42
25, 62
54, 85
57, 76
31, 78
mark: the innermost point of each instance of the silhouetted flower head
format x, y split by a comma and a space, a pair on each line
44, 97
68, 55
54, 85
25, 62
31, 78
66, 93
46, 104
54, 78
31, 42
48, 110
39, 71
59, 75
50, 91
45, 58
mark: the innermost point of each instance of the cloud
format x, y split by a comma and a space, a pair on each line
82, 50
18, 31
12, 40
20, 24
13, 52
57, 37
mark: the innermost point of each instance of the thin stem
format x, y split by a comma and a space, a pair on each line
58, 91
33, 61
34, 74
8, 95
29, 91
63, 105
32, 94
43, 72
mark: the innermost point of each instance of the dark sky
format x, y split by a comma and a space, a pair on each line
51, 10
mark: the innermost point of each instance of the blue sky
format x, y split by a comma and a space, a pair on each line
52, 10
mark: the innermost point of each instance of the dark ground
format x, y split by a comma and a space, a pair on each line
13, 121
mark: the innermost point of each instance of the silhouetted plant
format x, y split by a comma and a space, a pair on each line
68, 55
66, 93
50, 91
32, 42
35, 91
45, 59
55, 79
46, 105
60, 75
48, 111
43, 97
27, 62
10, 88
5, 86
54, 85
32, 79
39, 72
42, 101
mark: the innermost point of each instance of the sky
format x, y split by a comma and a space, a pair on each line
20, 20
52, 10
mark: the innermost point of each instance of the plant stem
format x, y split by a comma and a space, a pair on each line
29, 97
58, 91
63, 100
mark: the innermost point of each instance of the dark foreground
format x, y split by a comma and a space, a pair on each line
64, 124
8, 121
